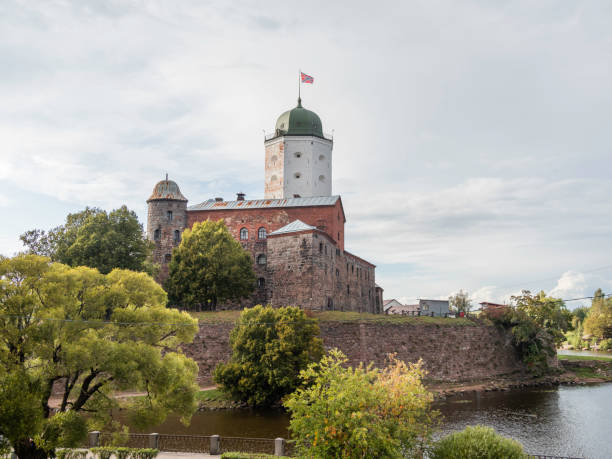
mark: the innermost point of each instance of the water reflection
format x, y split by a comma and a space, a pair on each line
568, 421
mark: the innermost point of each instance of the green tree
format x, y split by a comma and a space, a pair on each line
89, 334
208, 267
360, 412
460, 302
599, 320
477, 442
95, 238
269, 349
548, 313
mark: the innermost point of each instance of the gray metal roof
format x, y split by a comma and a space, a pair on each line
211, 204
293, 227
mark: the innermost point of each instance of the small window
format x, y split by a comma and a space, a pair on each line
261, 259
337, 273
352, 268
330, 303
157, 234
274, 178
296, 196
348, 289
261, 282
167, 258
169, 215
177, 236
320, 247
274, 158
244, 234
338, 236
297, 175
261, 233
337, 252
321, 178
321, 157
325, 249
297, 154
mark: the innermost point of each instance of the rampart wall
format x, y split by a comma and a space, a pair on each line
451, 352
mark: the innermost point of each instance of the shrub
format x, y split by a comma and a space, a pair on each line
478, 442
103, 452
360, 412
605, 344
269, 349
69, 453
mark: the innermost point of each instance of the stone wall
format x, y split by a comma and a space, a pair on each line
451, 353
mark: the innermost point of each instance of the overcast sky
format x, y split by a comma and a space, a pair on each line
472, 140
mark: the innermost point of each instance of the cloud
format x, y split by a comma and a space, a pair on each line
471, 146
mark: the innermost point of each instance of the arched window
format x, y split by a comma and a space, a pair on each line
169, 215
261, 282
261, 259
320, 247
261, 233
177, 236
157, 234
244, 234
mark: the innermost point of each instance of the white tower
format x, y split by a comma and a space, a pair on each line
298, 156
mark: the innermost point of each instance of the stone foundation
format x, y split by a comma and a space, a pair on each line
451, 353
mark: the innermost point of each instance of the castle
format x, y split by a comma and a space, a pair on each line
295, 234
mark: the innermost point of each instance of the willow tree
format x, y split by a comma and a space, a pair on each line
208, 267
88, 335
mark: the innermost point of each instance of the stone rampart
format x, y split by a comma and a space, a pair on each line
452, 353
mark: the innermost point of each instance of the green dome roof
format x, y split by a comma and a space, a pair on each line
299, 121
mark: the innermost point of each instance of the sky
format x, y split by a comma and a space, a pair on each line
472, 139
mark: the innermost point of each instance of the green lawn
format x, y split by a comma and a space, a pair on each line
338, 316
583, 357
212, 395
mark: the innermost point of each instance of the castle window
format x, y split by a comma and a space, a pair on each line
274, 158
244, 234
337, 273
177, 236
296, 195
325, 249
321, 157
169, 215
298, 154
352, 268
261, 259
297, 175
261, 282
348, 289
330, 303
321, 178
320, 247
157, 234
337, 252
261, 233
167, 258
274, 178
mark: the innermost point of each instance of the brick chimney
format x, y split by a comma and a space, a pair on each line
240, 196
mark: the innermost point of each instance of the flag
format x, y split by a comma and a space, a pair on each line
307, 78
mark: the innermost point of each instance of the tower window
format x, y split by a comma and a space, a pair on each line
320, 247
177, 236
261, 282
261, 259
244, 234
298, 154
261, 233
321, 157
297, 175
274, 178
167, 258
321, 178
337, 273
169, 215
157, 234
274, 158
348, 289
338, 235
296, 195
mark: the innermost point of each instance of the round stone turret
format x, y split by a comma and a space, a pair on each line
166, 220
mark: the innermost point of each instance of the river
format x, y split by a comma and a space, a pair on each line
565, 421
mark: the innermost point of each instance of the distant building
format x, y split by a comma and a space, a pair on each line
395, 307
487, 306
434, 308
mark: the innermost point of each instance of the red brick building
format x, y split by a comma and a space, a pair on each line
297, 239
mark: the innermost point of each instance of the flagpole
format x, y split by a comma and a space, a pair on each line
299, 84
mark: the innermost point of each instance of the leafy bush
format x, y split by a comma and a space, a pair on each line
269, 349
68, 453
360, 412
105, 452
478, 442
605, 344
